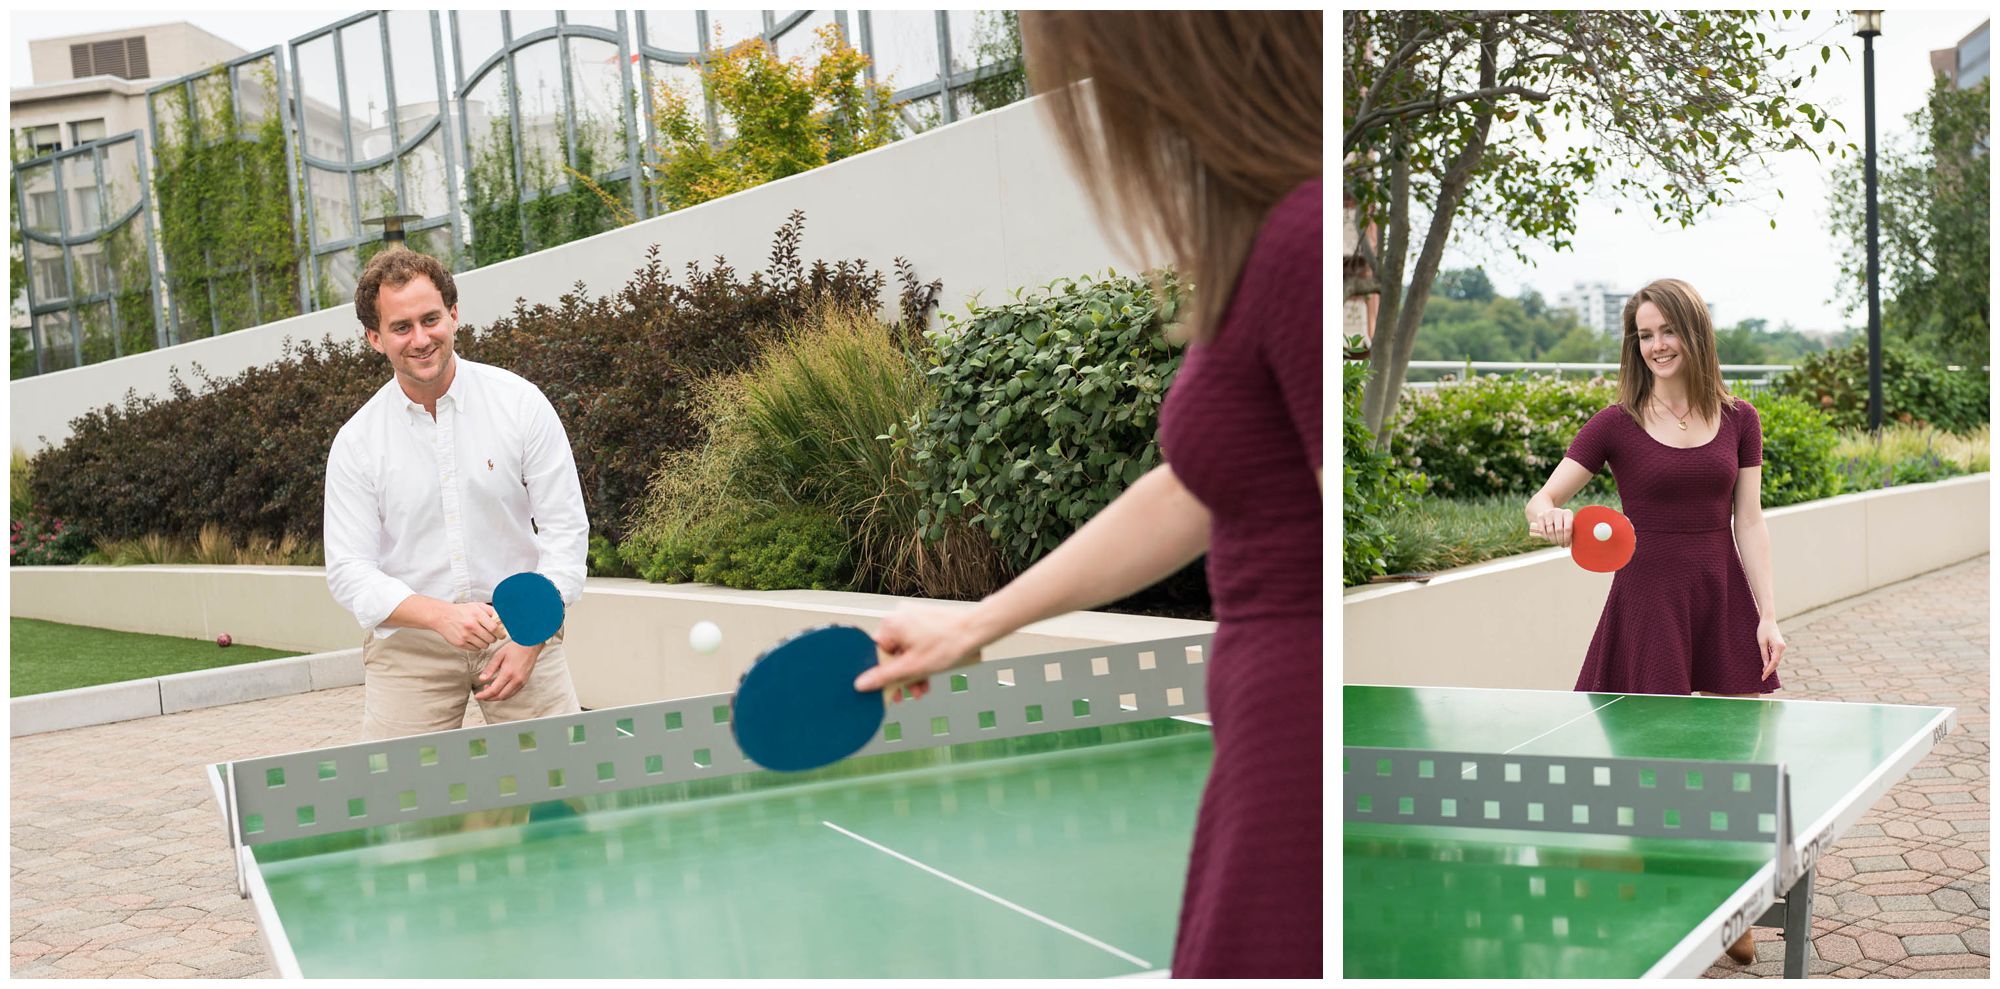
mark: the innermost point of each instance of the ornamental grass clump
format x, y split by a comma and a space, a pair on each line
802, 435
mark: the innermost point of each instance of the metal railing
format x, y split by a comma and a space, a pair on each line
1736, 374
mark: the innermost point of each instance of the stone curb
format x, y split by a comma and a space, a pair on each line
154, 696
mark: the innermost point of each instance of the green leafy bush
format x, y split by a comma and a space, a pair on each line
1047, 408
1495, 435
1373, 488
746, 547
37, 539
1799, 460
788, 117
1917, 388
800, 548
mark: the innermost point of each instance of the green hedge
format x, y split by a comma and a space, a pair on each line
1495, 435
1917, 388
248, 453
1373, 488
1048, 407
1799, 462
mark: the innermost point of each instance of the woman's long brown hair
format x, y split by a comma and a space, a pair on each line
1193, 125
1683, 309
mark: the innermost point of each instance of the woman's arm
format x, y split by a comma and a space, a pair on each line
1546, 515
1152, 530
1753, 547
1753, 538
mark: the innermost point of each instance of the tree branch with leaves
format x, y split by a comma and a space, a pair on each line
1450, 113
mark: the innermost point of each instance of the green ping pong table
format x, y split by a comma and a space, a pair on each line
1030, 817
1549, 834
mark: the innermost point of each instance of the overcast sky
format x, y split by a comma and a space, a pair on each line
1732, 256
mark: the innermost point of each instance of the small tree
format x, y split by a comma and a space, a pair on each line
788, 118
1449, 112
1935, 222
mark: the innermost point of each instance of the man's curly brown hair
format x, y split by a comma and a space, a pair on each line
397, 267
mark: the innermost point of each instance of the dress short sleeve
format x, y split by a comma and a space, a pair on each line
1749, 436
1592, 446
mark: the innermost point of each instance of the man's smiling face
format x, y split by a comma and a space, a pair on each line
415, 331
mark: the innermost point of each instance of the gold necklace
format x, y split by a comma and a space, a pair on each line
1683, 417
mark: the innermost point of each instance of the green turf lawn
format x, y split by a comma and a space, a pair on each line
45, 656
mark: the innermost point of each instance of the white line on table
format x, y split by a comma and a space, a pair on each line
1009, 904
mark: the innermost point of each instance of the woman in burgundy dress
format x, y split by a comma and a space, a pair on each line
1201, 130
1692, 610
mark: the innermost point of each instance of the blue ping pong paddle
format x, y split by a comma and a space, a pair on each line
796, 707
530, 607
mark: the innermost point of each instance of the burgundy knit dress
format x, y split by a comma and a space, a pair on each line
1680, 617
1241, 427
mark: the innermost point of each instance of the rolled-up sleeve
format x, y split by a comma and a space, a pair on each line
353, 535
555, 496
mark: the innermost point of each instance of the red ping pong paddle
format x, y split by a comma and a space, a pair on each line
530, 606
796, 707
1605, 553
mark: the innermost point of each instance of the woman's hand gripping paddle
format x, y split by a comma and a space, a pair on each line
1603, 539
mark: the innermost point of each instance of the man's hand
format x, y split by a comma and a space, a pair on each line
507, 672
470, 626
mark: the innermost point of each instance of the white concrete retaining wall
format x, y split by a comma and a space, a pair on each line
1526, 621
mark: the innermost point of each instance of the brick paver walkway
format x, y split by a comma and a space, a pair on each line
121, 868
120, 861
1904, 894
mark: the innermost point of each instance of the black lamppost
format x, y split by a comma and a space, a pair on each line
1868, 24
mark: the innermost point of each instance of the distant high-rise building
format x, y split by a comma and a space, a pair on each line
1597, 305
1966, 63
1602, 308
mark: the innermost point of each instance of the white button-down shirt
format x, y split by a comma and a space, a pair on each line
448, 508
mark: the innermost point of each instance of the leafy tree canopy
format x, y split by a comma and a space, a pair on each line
1453, 110
1935, 227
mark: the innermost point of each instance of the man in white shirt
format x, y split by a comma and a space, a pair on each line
453, 477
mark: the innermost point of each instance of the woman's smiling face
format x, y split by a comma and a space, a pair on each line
1660, 346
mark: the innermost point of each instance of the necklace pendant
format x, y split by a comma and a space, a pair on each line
1684, 425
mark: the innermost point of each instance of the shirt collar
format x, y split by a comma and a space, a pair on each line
457, 393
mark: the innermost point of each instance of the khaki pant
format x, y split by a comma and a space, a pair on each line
416, 682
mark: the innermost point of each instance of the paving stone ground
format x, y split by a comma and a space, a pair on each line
120, 861
120, 866
1904, 894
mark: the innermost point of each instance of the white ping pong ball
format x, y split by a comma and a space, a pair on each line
705, 637
1602, 531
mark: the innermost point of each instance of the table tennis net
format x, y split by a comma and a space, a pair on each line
421, 777
1640, 797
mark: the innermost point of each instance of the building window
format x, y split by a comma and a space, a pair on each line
93, 274
44, 140
87, 214
50, 285
42, 211
86, 130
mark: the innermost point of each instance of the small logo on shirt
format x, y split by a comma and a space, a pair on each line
489, 465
